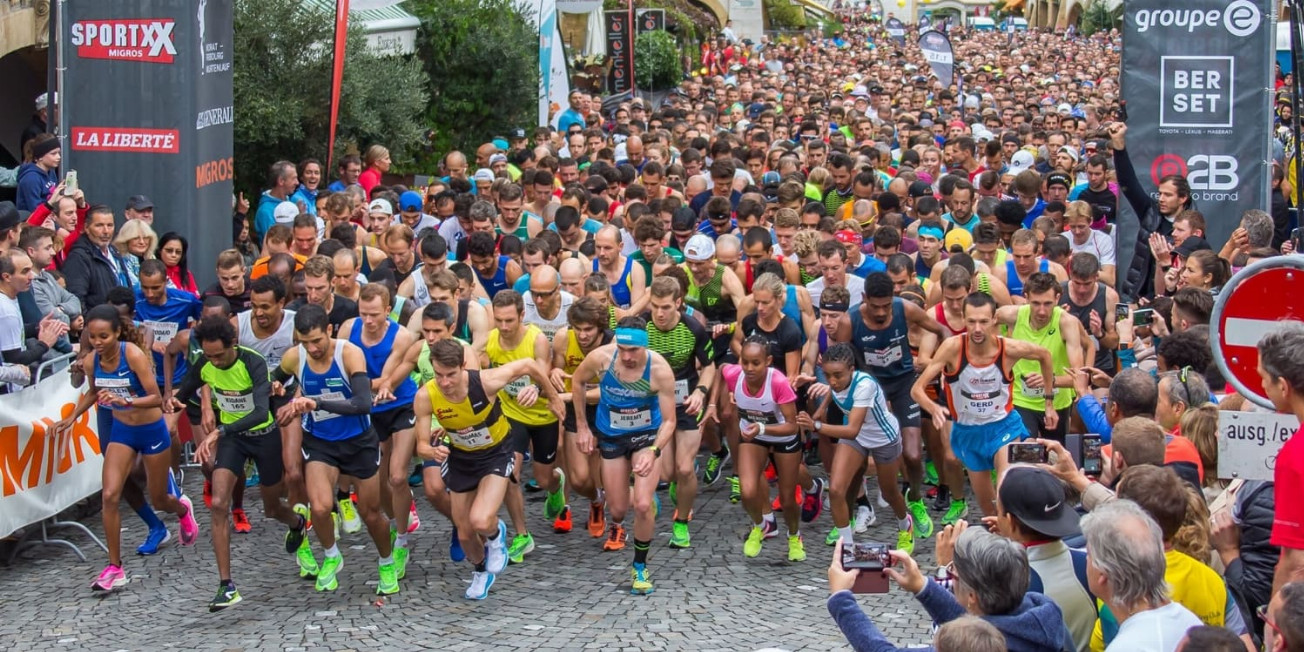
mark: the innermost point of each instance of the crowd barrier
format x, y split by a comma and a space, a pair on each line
43, 473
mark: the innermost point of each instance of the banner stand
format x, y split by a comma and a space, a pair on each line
29, 540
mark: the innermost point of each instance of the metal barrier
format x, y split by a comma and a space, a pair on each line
49, 364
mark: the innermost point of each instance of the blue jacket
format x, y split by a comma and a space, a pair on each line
34, 186
308, 197
1037, 625
265, 218
1094, 419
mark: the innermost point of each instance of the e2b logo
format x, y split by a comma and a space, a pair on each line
1204, 172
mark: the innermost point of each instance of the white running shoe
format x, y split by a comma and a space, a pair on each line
865, 517
480, 583
495, 552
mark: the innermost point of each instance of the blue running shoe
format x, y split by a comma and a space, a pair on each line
154, 540
455, 547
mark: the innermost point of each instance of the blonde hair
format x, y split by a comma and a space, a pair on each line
820, 178
1200, 425
1077, 209
131, 230
1193, 537
374, 153
806, 242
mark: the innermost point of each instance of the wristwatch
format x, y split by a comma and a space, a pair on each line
703, 389
656, 452
818, 425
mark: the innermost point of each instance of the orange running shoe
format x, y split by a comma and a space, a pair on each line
597, 520
616, 540
208, 494
241, 521
563, 523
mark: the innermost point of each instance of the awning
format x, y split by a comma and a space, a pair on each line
389, 29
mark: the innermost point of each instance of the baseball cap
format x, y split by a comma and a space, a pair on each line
484, 174
1064, 109
380, 206
1037, 499
1022, 160
9, 217
699, 248
1191, 245
409, 201
755, 110
1058, 178
139, 202
958, 237
42, 101
847, 236
770, 177
501, 144
920, 189
497, 158
771, 192
516, 134
1072, 152
285, 212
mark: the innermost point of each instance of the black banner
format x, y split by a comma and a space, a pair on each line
651, 19
936, 48
620, 49
897, 30
147, 99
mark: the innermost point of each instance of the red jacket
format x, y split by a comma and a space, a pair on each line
43, 213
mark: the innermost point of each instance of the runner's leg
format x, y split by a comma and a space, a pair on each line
118, 460
220, 514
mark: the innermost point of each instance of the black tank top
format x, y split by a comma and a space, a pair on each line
1104, 357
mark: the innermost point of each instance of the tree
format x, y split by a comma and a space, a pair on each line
283, 54
482, 60
1097, 17
656, 61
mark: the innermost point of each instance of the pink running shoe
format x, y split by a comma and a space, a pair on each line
111, 578
414, 521
189, 528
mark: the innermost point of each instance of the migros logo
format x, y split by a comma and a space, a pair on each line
148, 40
1240, 18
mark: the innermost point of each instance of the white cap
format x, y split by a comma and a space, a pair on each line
700, 247
285, 212
621, 153
1064, 109
42, 101
380, 206
1022, 160
484, 174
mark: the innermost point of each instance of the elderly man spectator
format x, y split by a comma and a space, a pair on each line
94, 266
990, 575
1125, 569
1132, 393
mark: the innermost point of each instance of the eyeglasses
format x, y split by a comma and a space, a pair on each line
1262, 613
1186, 387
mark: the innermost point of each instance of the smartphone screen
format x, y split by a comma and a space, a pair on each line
1141, 317
1091, 462
1028, 453
1121, 311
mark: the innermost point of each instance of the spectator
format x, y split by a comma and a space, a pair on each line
282, 182
1132, 393
51, 297
1281, 365
39, 174
1155, 216
1210, 639
173, 250
16, 272
969, 634
94, 266
376, 165
1125, 568
39, 123
139, 207
1284, 618
136, 242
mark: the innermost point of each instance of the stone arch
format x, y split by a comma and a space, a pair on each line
717, 9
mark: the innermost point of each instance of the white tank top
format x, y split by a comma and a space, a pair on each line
759, 409
420, 293
979, 395
548, 326
273, 346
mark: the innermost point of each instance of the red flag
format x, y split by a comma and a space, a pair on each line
337, 73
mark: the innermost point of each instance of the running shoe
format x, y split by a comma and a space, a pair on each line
556, 500
615, 539
642, 584
388, 584
401, 556
735, 490
189, 528
240, 520
226, 596
812, 504
352, 523
777, 504
326, 577
532, 486
714, 465
208, 494
563, 523
770, 527
455, 551
906, 539
111, 578
923, 522
833, 535
930, 473
480, 583
865, 517
957, 512
495, 551
294, 536
522, 544
154, 540
942, 502
597, 520
755, 538
796, 549
308, 568
679, 537
414, 519
415, 479
251, 477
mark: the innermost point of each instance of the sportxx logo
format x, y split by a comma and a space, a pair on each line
147, 40
1240, 18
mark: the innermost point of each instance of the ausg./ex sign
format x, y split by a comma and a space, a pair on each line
1196, 92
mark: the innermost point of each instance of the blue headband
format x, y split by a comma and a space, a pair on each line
631, 337
933, 231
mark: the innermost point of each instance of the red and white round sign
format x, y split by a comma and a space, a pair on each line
1252, 304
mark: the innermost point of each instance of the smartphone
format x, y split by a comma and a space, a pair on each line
1091, 462
1023, 452
1141, 316
70, 183
1073, 444
870, 559
1297, 239
1121, 311
1122, 111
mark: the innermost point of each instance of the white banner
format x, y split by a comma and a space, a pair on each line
41, 473
1248, 443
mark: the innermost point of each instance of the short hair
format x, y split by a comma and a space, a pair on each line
230, 259
215, 329
400, 231
150, 267
441, 312
1011, 212
1258, 228
1134, 392
1159, 491
319, 266
311, 317
1139, 440
480, 243
665, 286
648, 227
973, 634
979, 300
1195, 303
1290, 620
1207, 638
1188, 348
994, 568
830, 249
509, 298
956, 277
1084, 265
32, 235
1127, 546
986, 233
447, 353
372, 291
586, 311
1040, 282
268, 283
1281, 353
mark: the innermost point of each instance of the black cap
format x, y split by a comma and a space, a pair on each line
139, 203
9, 217
1191, 245
771, 193
1037, 499
1058, 178
516, 134
920, 189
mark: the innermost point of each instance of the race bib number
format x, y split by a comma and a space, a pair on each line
757, 416
323, 415
472, 437
631, 419
979, 404
164, 331
1033, 392
681, 391
883, 357
234, 402
515, 387
119, 387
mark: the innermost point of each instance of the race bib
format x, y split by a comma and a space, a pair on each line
757, 416
883, 357
323, 415
514, 388
472, 437
164, 331
631, 419
1032, 392
234, 402
979, 404
119, 387
681, 391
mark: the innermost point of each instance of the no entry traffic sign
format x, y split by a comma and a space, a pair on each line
1252, 304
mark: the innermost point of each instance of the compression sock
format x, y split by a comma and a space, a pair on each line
146, 513
640, 551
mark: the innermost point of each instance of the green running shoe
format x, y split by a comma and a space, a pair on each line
754, 539
522, 544
956, 513
923, 522
735, 490
714, 465
330, 567
679, 537
226, 596
642, 581
906, 540
307, 561
930, 473
796, 549
557, 499
388, 580
401, 561
832, 538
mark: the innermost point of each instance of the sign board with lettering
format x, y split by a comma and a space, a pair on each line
1248, 443
936, 48
620, 50
651, 19
147, 100
1255, 302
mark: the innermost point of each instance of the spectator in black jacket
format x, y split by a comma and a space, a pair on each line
1154, 216
1241, 537
94, 266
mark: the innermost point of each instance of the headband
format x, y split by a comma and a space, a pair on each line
840, 306
932, 231
631, 337
41, 149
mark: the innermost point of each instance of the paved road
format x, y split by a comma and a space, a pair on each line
568, 595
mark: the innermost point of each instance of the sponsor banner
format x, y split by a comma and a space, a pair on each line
147, 100
1197, 82
651, 19
43, 472
936, 48
897, 30
620, 49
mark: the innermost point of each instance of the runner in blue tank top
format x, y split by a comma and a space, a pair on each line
166, 312
638, 387
628, 282
339, 444
495, 272
122, 380
381, 340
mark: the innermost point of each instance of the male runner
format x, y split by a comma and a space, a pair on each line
1042, 322
586, 331
165, 312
